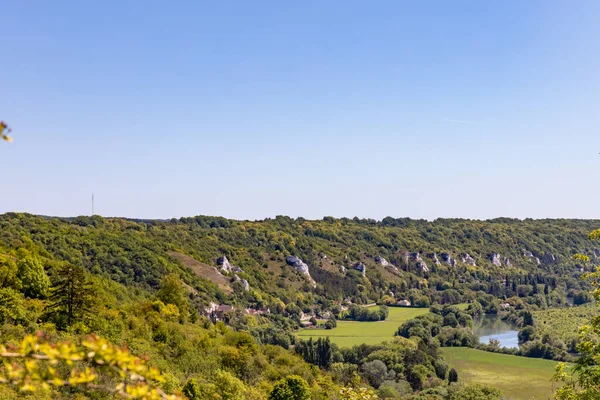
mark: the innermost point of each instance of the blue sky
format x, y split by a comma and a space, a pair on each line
424, 109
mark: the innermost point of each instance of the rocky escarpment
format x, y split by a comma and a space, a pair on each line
529, 254
300, 266
495, 257
420, 263
226, 266
385, 263
244, 283
382, 261
435, 259
360, 267
447, 258
498, 260
467, 259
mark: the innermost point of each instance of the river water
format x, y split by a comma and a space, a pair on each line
491, 327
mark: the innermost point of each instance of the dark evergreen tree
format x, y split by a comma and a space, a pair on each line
452, 376
71, 295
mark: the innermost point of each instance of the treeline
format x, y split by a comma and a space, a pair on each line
397, 369
358, 313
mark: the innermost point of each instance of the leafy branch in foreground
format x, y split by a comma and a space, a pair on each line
581, 381
4, 131
36, 364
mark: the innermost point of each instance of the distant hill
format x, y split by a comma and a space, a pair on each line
402, 257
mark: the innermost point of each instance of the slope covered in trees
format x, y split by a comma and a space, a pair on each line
411, 258
156, 287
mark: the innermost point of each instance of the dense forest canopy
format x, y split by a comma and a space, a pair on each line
140, 252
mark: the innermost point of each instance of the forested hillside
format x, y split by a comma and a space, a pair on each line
400, 255
214, 302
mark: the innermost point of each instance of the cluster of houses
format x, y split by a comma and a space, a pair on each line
216, 311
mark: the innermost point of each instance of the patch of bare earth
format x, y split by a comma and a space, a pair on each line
204, 271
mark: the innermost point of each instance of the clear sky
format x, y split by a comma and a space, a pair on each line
251, 109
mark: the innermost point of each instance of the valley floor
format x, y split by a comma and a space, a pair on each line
350, 333
519, 378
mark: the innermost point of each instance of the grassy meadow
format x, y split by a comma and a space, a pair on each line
350, 333
519, 378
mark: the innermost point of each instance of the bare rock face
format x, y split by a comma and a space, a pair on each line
529, 254
416, 256
360, 267
342, 269
436, 260
382, 261
226, 266
300, 266
469, 260
242, 282
495, 257
506, 261
448, 259
420, 263
246, 285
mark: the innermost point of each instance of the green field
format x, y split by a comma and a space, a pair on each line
564, 323
350, 333
518, 377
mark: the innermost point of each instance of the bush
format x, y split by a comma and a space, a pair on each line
292, 387
452, 376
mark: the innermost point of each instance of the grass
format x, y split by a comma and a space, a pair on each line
204, 270
519, 378
350, 333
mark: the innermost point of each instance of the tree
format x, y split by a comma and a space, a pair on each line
423, 301
494, 343
349, 393
292, 387
72, 295
526, 334
581, 381
34, 281
4, 131
92, 365
317, 352
527, 318
192, 390
173, 292
228, 387
473, 392
8, 273
452, 376
376, 373
581, 298
11, 306
331, 323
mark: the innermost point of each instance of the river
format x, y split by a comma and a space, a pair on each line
491, 327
